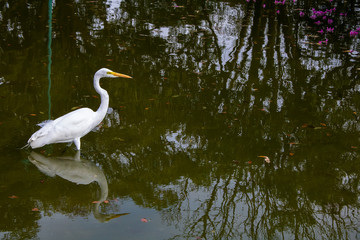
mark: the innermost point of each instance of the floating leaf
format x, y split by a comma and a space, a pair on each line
13, 197
76, 107
35, 209
291, 154
144, 220
95, 202
118, 139
354, 147
323, 124
266, 158
32, 114
106, 201
294, 143
175, 96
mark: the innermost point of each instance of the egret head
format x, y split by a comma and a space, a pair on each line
104, 72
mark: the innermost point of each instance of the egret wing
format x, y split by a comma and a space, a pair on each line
74, 124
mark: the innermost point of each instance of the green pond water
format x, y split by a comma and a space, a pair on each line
241, 120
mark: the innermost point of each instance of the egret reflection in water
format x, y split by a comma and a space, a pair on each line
76, 170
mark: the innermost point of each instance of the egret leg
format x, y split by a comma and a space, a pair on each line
77, 143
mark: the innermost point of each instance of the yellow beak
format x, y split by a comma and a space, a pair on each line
119, 75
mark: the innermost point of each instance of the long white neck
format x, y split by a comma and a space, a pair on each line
104, 96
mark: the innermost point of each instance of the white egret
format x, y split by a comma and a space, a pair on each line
76, 124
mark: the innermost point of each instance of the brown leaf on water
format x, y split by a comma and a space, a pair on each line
95, 96
106, 201
95, 202
323, 124
32, 114
13, 197
294, 143
291, 154
266, 158
35, 209
76, 107
354, 147
144, 220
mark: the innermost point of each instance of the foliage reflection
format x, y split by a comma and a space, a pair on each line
216, 84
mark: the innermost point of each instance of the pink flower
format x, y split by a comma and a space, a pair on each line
313, 16
277, 11
329, 29
321, 31
301, 14
358, 29
353, 33
317, 23
325, 42
264, 5
330, 21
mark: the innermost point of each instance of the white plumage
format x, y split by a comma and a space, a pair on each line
76, 124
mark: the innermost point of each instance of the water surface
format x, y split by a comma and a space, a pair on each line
216, 84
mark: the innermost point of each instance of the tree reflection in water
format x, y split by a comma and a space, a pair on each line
216, 84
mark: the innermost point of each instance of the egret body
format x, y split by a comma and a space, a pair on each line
76, 124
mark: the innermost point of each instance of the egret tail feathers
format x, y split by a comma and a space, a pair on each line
42, 124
